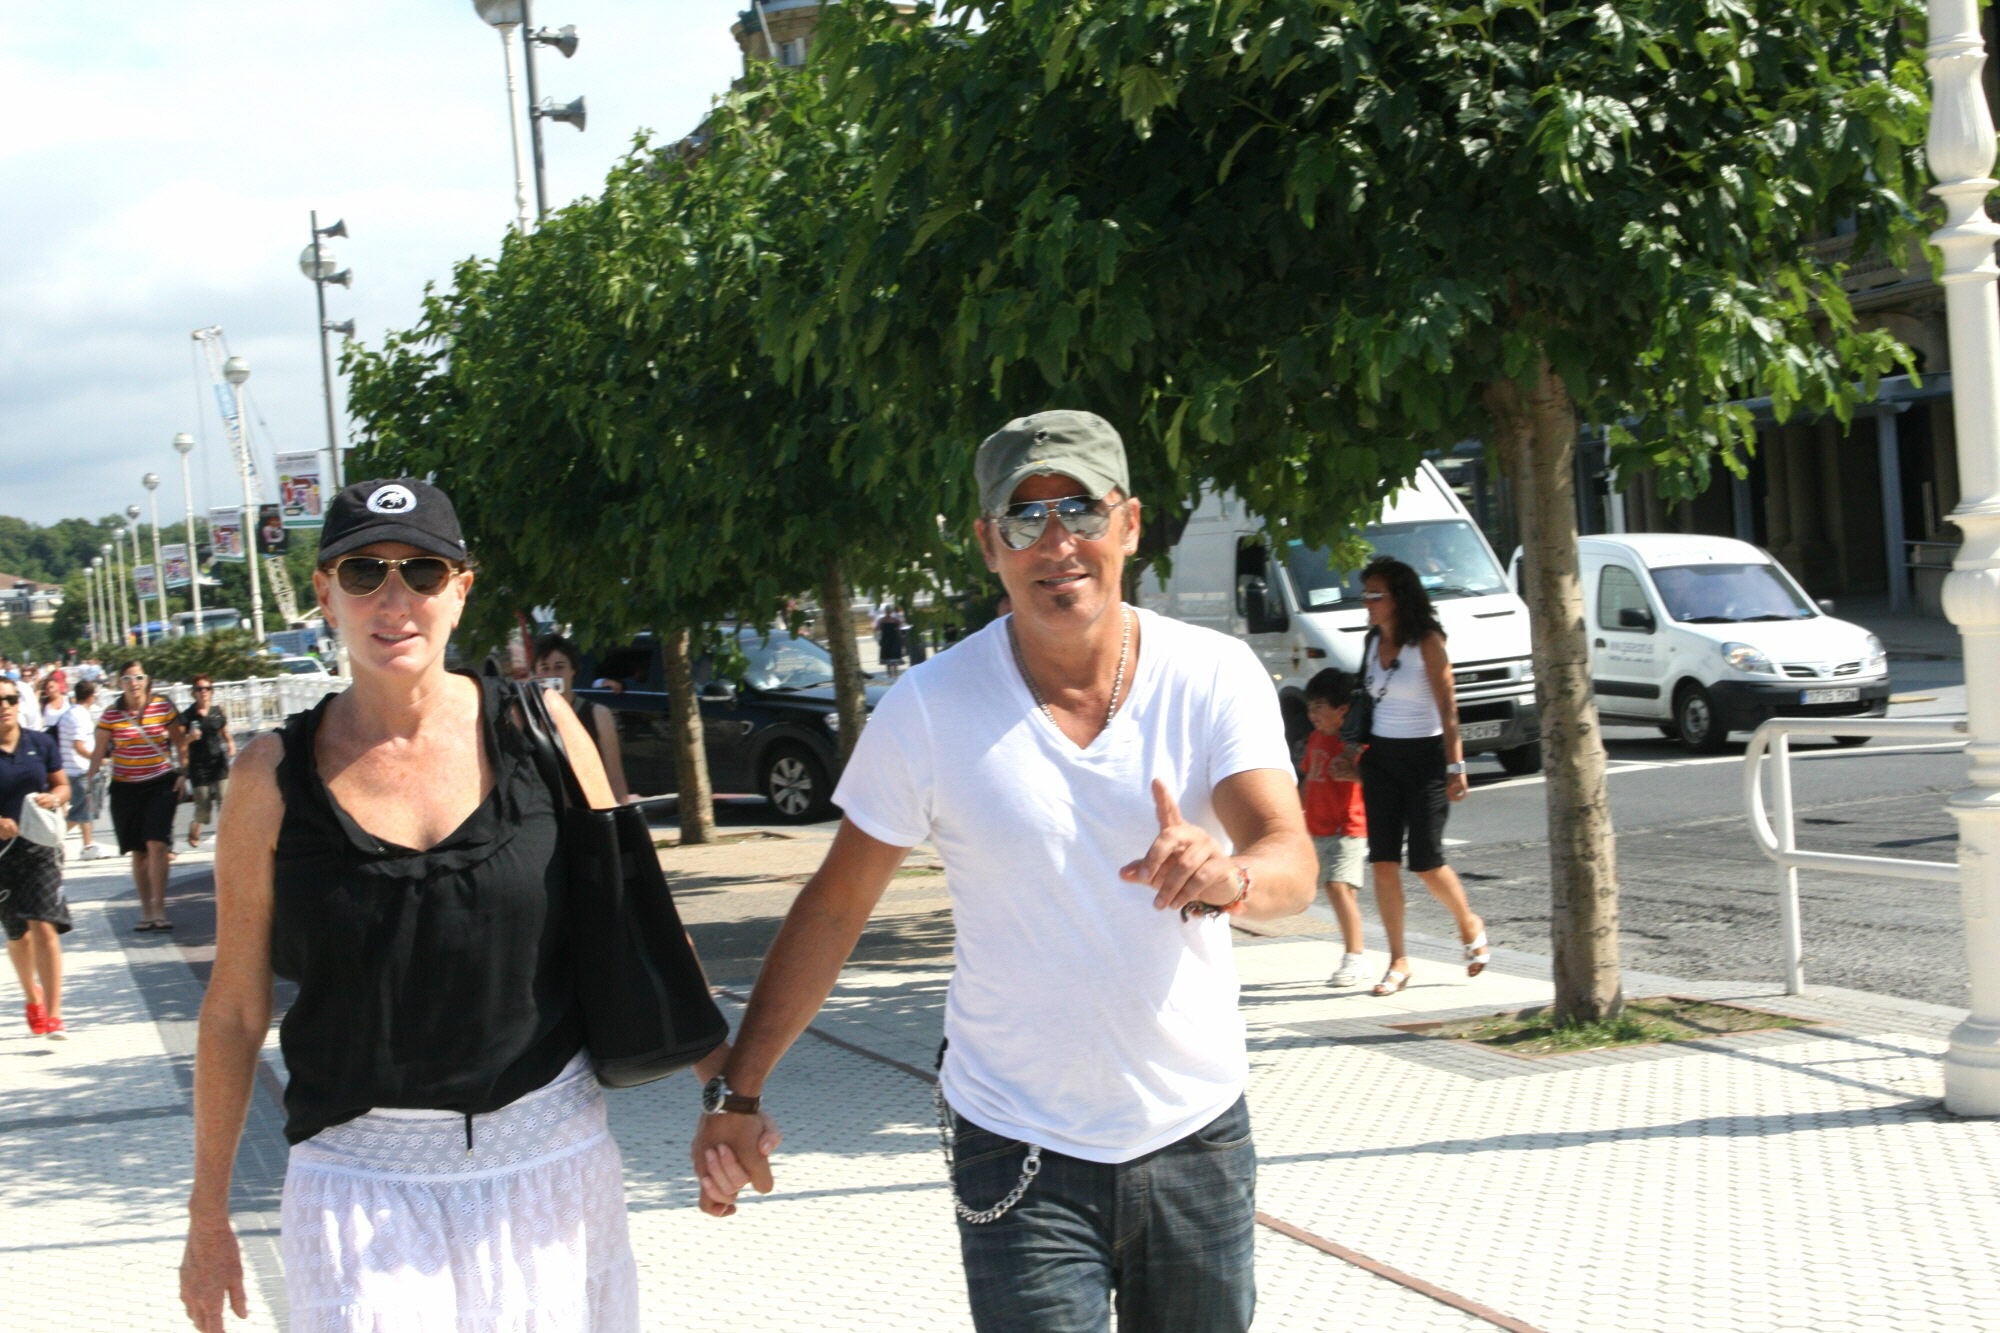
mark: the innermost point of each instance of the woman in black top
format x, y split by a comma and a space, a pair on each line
394, 852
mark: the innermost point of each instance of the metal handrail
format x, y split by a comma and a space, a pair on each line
264, 703
1780, 843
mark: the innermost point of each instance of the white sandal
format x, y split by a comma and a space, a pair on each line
1477, 955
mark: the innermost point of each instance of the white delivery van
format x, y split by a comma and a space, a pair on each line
1702, 636
1301, 615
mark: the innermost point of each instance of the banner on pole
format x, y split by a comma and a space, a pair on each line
299, 497
175, 558
225, 533
271, 536
142, 579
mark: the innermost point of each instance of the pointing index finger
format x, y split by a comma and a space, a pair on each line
1164, 806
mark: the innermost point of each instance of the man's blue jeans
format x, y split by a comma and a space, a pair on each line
1169, 1236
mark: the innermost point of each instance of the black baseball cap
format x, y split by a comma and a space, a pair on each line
394, 509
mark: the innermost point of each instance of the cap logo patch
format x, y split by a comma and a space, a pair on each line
392, 500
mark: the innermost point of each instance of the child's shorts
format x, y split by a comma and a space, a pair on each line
1342, 860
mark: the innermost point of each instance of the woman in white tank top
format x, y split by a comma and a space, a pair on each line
1414, 766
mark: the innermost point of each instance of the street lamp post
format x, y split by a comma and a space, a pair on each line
90, 602
236, 370
103, 600
318, 263
1961, 146
184, 445
151, 481
118, 582
138, 553
505, 16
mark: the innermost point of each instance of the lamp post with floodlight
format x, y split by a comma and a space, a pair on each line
317, 263
507, 15
132, 513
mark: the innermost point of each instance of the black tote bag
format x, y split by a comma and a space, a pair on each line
647, 1010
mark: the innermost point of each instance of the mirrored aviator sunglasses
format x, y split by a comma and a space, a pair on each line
1022, 525
424, 575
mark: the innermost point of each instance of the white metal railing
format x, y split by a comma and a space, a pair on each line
1780, 843
262, 704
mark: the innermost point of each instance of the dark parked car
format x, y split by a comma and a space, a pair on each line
772, 730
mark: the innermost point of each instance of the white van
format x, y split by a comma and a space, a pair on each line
1302, 615
1702, 636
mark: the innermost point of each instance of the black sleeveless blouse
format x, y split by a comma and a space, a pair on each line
435, 979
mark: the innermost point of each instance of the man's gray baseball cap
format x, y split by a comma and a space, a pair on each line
1056, 443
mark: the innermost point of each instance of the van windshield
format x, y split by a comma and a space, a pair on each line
1450, 559
1718, 594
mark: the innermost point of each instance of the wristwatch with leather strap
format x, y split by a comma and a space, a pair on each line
717, 1099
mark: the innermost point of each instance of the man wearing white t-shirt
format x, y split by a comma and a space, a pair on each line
1104, 786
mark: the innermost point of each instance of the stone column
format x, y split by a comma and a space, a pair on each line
1961, 148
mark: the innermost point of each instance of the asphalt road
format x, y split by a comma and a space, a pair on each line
1696, 897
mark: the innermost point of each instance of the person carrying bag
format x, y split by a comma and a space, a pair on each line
647, 1009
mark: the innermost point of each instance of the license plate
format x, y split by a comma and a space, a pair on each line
1839, 694
1486, 731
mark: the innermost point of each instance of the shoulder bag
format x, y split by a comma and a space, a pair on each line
1359, 723
647, 1010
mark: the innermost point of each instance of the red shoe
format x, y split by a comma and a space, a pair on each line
55, 1031
38, 1019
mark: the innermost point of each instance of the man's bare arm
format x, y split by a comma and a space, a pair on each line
1260, 808
798, 974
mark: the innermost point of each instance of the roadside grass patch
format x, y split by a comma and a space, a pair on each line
1534, 1033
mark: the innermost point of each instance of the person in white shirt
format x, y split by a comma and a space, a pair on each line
76, 741
1105, 787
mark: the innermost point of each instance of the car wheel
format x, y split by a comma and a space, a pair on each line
1521, 759
796, 783
1851, 741
1694, 717
1670, 731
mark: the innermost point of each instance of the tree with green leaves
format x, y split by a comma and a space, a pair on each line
1293, 244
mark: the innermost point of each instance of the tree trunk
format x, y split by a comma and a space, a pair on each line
1535, 432
850, 687
696, 799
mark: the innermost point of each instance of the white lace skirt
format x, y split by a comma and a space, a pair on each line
390, 1226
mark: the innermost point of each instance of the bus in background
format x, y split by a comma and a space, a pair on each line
181, 623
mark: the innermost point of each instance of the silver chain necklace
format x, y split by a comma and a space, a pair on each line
1117, 681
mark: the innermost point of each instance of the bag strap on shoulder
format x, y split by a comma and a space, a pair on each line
546, 744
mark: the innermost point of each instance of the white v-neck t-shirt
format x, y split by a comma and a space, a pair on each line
1079, 1016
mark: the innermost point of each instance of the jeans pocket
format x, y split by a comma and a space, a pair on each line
971, 1145
1227, 1132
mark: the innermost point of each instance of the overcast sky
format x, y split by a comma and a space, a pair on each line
156, 173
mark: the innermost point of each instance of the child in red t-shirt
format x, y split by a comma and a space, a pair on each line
1334, 814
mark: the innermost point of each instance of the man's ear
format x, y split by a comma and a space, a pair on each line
984, 529
1131, 527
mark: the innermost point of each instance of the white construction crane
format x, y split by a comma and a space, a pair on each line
215, 354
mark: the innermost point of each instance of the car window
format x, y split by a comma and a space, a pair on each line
1720, 594
1448, 555
784, 663
1619, 590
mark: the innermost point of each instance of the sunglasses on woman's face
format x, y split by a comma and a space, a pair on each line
1022, 525
361, 575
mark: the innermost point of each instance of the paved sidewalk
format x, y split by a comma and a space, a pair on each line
1790, 1180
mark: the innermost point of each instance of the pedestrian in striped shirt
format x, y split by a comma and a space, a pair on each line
140, 734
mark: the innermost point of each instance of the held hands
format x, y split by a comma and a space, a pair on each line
1184, 865
732, 1150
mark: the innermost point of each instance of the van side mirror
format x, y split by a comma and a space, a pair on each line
1826, 604
1635, 617
1253, 603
